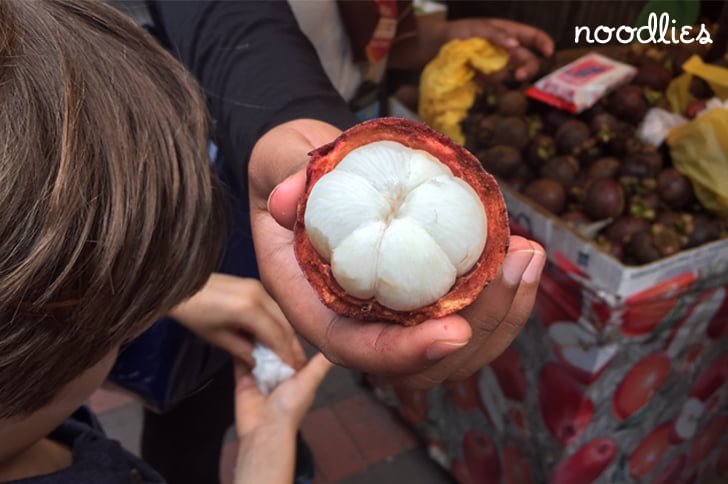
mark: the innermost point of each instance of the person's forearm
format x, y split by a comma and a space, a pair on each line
267, 456
415, 51
257, 68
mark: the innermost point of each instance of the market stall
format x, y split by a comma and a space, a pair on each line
620, 376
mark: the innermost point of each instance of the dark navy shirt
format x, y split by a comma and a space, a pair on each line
96, 458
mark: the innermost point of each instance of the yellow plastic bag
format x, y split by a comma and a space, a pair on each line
699, 150
447, 85
678, 92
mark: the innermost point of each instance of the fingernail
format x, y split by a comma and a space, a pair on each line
440, 349
535, 267
514, 266
511, 42
270, 197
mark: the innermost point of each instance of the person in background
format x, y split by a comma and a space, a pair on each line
404, 41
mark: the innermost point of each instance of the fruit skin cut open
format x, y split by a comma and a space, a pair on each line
463, 165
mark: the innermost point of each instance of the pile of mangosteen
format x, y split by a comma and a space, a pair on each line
591, 169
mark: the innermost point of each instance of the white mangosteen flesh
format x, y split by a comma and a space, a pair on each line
396, 225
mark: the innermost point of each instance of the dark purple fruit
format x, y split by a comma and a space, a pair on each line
547, 193
562, 169
553, 119
653, 75
604, 127
667, 240
518, 184
540, 149
603, 199
590, 151
642, 164
502, 161
486, 129
590, 114
571, 136
513, 103
471, 122
575, 217
700, 89
660, 241
645, 205
674, 188
623, 228
682, 222
511, 131
704, 230
628, 103
642, 248
676, 58
623, 141
606, 167
615, 249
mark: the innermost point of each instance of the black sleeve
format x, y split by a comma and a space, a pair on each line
257, 68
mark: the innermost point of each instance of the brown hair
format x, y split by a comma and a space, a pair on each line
109, 211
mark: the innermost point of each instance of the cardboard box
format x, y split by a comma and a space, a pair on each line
620, 376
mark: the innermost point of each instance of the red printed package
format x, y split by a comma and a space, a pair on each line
580, 84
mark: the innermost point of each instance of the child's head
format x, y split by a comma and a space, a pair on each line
108, 210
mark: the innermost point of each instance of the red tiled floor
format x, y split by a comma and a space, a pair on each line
105, 400
333, 448
376, 431
228, 455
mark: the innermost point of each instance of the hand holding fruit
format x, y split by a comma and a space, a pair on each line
425, 354
522, 41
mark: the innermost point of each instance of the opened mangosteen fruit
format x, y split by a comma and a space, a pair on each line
399, 223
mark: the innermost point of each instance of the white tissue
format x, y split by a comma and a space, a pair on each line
657, 124
269, 370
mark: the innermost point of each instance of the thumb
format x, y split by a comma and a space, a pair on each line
310, 376
248, 399
283, 200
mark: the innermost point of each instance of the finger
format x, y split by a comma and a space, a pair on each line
529, 37
494, 34
238, 346
248, 399
291, 399
487, 349
299, 356
270, 333
386, 348
485, 314
275, 312
310, 376
283, 200
527, 64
